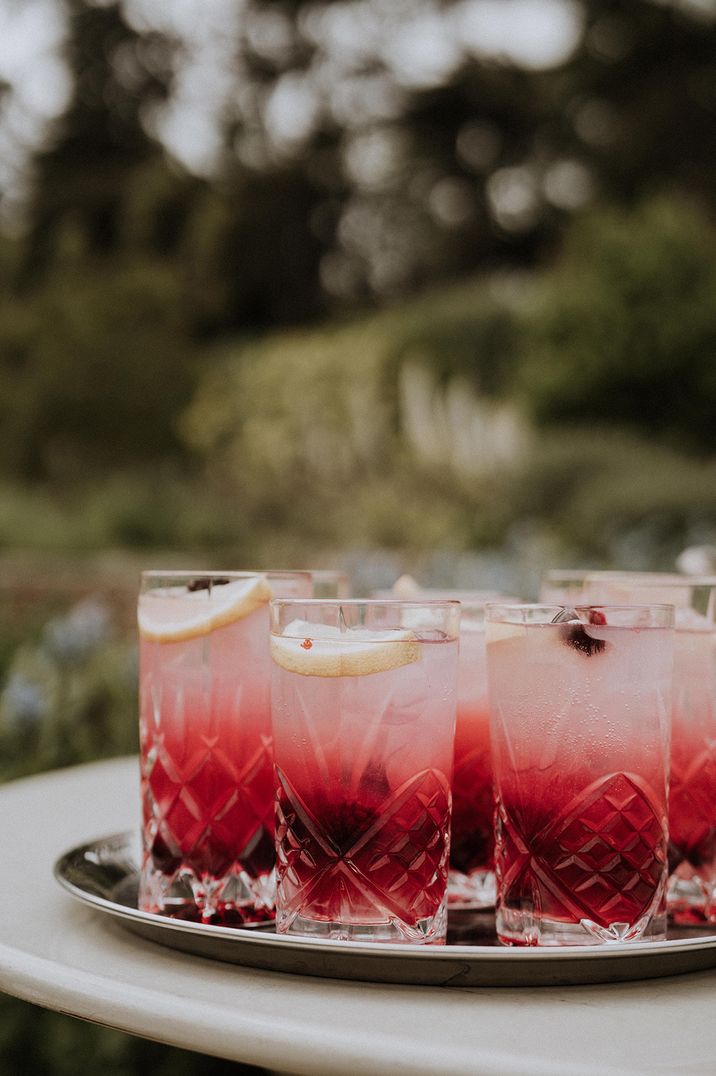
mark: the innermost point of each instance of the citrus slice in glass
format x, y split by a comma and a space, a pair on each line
322, 650
174, 614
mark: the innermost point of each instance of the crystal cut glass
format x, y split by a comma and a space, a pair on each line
364, 702
580, 703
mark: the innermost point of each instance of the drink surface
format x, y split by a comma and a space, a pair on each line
206, 772
580, 735
363, 768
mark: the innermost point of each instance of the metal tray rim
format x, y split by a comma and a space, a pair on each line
259, 935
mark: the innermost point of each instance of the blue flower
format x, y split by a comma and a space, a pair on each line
23, 703
77, 635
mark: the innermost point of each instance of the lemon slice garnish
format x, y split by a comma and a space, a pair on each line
322, 650
174, 614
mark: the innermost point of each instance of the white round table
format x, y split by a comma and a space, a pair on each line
57, 953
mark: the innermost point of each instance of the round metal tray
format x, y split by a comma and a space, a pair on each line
103, 874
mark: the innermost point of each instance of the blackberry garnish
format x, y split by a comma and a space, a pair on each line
576, 636
206, 583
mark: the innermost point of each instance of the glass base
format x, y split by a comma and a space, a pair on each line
231, 900
690, 900
428, 931
526, 929
471, 891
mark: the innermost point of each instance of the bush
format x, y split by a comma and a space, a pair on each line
614, 498
69, 696
623, 330
94, 369
325, 443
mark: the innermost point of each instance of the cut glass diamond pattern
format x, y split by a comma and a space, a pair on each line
210, 824
692, 810
347, 861
601, 859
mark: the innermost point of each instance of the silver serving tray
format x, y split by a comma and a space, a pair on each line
103, 874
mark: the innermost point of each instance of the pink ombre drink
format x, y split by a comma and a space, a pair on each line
580, 704
692, 794
472, 843
472, 847
364, 697
205, 742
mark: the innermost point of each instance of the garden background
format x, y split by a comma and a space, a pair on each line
382, 285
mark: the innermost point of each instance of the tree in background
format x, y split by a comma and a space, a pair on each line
354, 164
366, 150
81, 176
448, 155
622, 332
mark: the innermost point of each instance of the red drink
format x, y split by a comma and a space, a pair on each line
580, 739
206, 750
692, 796
473, 844
471, 881
472, 847
596, 857
692, 792
375, 854
363, 721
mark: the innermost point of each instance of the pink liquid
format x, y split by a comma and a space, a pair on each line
380, 853
473, 845
692, 796
207, 775
579, 739
363, 767
692, 826
599, 856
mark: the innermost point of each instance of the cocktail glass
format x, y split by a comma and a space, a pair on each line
580, 704
205, 743
691, 895
364, 702
472, 844
561, 586
471, 883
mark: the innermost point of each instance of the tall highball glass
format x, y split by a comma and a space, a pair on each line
691, 896
364, 702
580, 702
205, 743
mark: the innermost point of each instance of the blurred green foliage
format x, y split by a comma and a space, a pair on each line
94, 369
425, 411
34, 1042
68, 696
615, 498
572, 397
623, 331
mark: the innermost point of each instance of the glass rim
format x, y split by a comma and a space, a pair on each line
217, 573
504, 609
447, 603
653, 579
